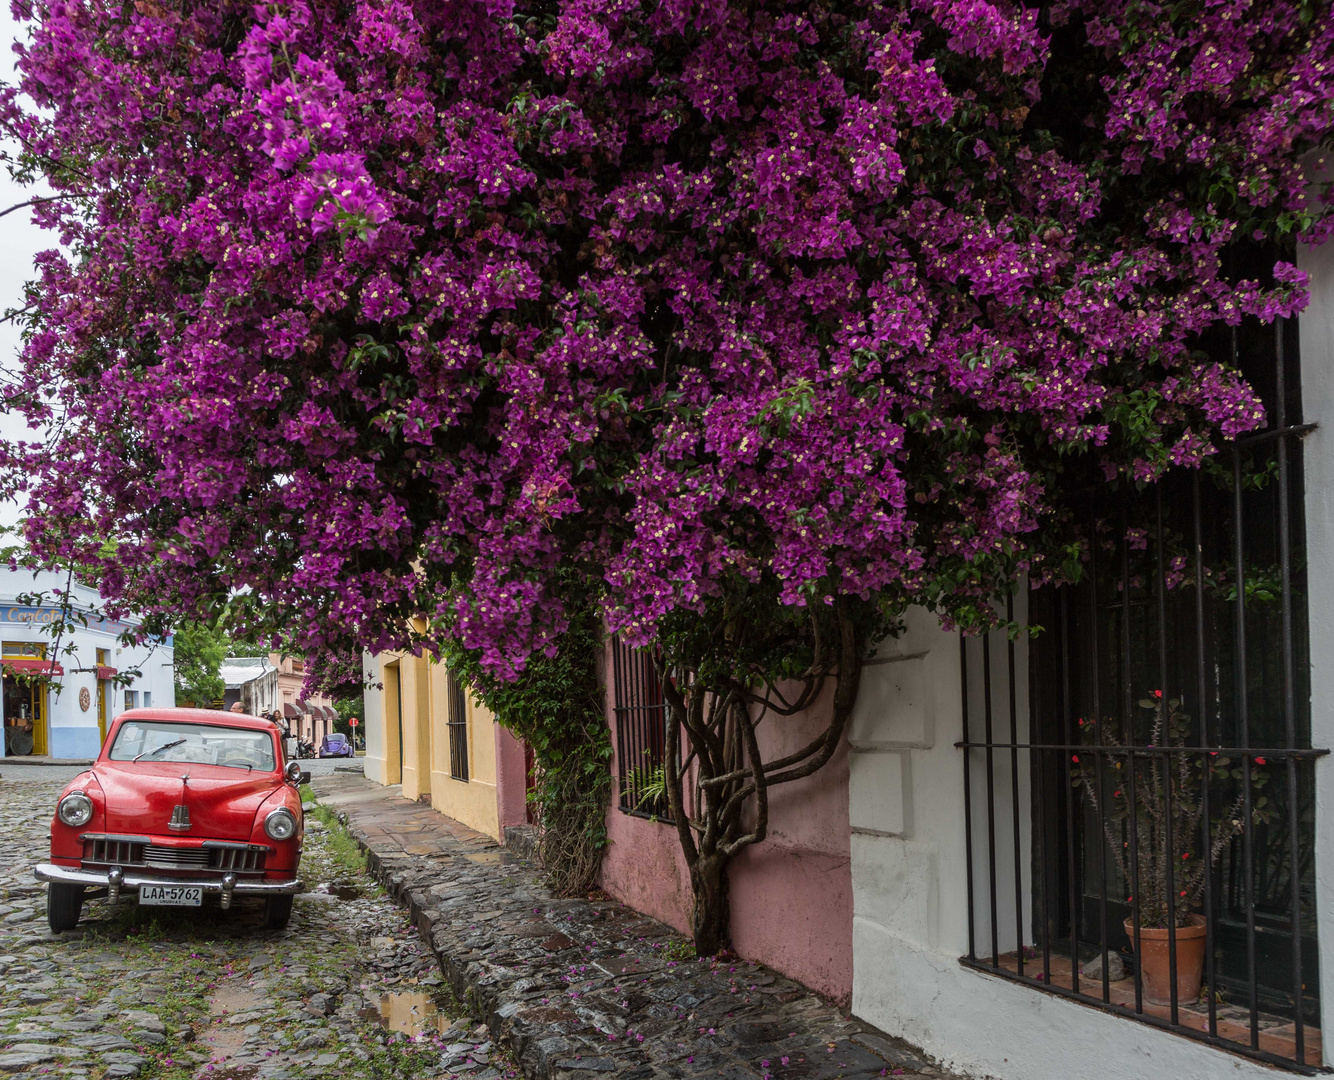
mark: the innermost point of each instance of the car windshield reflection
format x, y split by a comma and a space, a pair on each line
193, 744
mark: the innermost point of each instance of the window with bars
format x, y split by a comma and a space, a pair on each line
1142, 768
457, 723
641, 732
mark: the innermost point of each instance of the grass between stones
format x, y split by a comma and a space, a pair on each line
339, 850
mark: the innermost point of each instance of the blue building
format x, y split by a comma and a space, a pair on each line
62, 689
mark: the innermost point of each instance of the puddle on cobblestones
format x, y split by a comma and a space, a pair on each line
231, 997
341, 889
485, 858
408, 1013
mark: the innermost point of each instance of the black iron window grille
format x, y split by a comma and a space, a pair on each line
1139, 776
457, 723
641, 732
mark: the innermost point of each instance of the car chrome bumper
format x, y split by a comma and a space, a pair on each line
116, 879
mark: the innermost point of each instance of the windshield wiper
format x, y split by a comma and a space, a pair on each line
159, 749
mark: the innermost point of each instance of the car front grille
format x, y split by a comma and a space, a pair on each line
114, 851
211, 855
177, 858
241, 860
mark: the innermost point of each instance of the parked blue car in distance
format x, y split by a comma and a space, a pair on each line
335, 746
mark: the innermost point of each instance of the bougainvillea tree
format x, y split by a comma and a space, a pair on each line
335, 673
761, 319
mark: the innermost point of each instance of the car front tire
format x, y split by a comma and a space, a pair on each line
277, 910
64, 904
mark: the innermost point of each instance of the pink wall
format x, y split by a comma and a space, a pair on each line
791, 895
511, 780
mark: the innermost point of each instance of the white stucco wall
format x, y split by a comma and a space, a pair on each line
908, 855
373, 696
1316, 327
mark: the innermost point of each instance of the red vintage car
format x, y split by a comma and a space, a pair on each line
180, 802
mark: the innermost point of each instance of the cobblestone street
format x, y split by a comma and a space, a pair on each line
346, 989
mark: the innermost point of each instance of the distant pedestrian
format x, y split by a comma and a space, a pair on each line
236, 707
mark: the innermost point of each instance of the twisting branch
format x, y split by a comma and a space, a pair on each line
676, 707
713, 706
812, 684
761, 789
42, 199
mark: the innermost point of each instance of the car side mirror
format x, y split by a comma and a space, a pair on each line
295, 773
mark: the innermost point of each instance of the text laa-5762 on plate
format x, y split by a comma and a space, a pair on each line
171, 895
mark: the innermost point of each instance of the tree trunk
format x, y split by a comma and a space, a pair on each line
711, 918
729, 772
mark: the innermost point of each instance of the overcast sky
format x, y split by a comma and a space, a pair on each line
20, 241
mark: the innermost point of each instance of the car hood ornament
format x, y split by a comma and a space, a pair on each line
180, 814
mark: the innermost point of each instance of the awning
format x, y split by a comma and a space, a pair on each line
33, 664
289, 713
105, 672
301, 705
330, 713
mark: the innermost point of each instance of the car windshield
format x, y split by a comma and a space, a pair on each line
334, 740
195, 744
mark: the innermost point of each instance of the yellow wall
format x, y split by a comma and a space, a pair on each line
474, 802
416, 695
383, 767
420, 687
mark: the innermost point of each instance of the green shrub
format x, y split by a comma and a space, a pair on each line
556, 706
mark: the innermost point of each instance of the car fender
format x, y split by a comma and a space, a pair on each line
66, 847
286, 854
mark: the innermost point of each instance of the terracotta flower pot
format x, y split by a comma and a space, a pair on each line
1155, 963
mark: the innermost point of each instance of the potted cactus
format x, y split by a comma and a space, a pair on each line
1168, 801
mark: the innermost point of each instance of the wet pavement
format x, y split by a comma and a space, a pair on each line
578, 987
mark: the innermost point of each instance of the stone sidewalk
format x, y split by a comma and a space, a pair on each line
589, 986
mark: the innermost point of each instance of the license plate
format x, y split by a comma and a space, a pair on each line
171, 895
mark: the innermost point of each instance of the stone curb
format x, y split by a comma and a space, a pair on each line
523, 841
567, 1020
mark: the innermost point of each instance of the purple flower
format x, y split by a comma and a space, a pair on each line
333, 278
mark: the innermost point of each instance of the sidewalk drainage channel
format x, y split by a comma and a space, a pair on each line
483, 1005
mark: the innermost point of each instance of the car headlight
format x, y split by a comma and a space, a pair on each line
280, 824
75, 809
